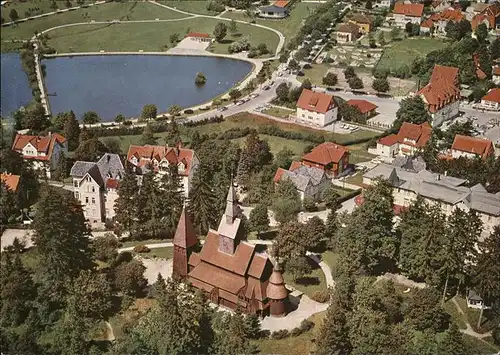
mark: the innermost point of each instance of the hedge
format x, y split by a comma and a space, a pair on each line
350, 195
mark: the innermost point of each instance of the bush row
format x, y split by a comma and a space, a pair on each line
349, 196
305, 326
278, 132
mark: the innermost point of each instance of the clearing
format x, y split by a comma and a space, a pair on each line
195, 7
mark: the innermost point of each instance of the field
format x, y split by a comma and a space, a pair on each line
195, 7
148, 36
278, 112
404, 52
35, 7
162, 253
289, 26
109, 11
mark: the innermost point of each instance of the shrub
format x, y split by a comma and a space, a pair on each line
322, 296
306, 325
309, 204
141, 249
280, 334
295, 332
104, 248
188, 111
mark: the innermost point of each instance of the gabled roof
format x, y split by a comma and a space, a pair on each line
281, 3
198, 35
414, 10
363, 106
442, 87
441, 72
453, 15
427, 23
493, 95
43, 144
106, 172
301, 176
326, 153
315, 101
174, 155
12, 181
348, 28
479, 146
185, 235
420, 134
362, 18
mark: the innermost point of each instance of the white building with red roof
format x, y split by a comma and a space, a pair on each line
316, 109
367, 108
199, 37
159, 159
491, 101
442, 94
471, 147
440, 20
330, 157
410, 138
404, 13
44, 151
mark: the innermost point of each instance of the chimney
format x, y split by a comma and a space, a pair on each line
438, 177
108, 157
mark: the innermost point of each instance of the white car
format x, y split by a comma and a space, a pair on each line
253, 96
239, 103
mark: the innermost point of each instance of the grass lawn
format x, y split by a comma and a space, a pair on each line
405, 51
277, 143
120, 320
162, 253
133, 243
109, 11
315, 74
289, 26
309, 284
481, 346
148, 36
330, 258
196, 7
35, 7
355, 179
458, 318
473, 316
278, 112
359, 153
300, 345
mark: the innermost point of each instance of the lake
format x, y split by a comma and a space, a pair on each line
15, 90
111, 84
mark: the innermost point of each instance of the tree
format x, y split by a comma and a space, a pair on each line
148, 137
368, 4
306, 84
293, 65
174, 38
234, 339
104, 248
171, 200
381, 38
495, 49
35, 119
200, 79
201, 201
129, 278
220, 31
174, 110
282, 91
425, 312
149, 112
233, 27
331, 198
90, 150
453, 343
355, 83
262, 49
252, 326
125, 209
313, 232
286, 203
330, 79
234, 94
409, 28
10, 209
481, 32
283, 158
381, 85
62, 168
120, 118
72, 131
61, 236
90, 117
259, 219
349, 73
113, 145
486, 271
395, 33
298, 267
13, 15
412, 110
288, 244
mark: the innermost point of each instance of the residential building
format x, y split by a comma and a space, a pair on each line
386, 3
496, 75
11, 181
491, 101
475, 301
347, 32
404, 13
481, 75
159, 158
330, 157
277, 10
440, 20
43, 151
199, 37
364, 22
471, 147
228, 269
427, 26
442, 94
316, 109
439, 5
366, 108
490, 16
309, 181
446, 191
410, 139
95, 186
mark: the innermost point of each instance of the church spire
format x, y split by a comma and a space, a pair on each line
185, 235
231, 204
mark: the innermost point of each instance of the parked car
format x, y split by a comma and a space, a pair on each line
223, 108
267, 87
253, 96
241, 102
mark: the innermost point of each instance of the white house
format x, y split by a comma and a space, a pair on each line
404, 13
471, 147
475, 301
442, 94
95, 186
410, 139
491, 101
277, 10
159, 159
316, 109
199, 37
309, 181
440, 20
347, 32
44, 151
496, 75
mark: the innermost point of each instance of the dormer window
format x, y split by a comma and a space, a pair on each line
181, 167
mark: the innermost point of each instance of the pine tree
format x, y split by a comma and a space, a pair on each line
173, 198
259, 219
201, 202
62, 240
148, 137
8, 201
72, 131
61, 171
148, 221
235, 340
452, 343
125, 205
173, 134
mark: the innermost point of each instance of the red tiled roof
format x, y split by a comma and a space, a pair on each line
295, 165
112, 183
281, 3
496, 70
174, 155
443, 72
420, 134
315, 101
326, 153
363, 105
480, 146
185, 235
428, 23
359, 200
442, 88
436, 3
449, 15
362, 18
415, 10
493, 95
43, 144
12, 181
488, 15
198, 35
348, 28
278, 174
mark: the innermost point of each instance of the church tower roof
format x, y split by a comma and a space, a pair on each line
185, 235
276, 289
232, 208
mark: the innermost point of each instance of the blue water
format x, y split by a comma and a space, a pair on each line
123, 84
15, 90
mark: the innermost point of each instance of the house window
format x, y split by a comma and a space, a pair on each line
93, 189
86, 200
77, 195
75, 183
93, 201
